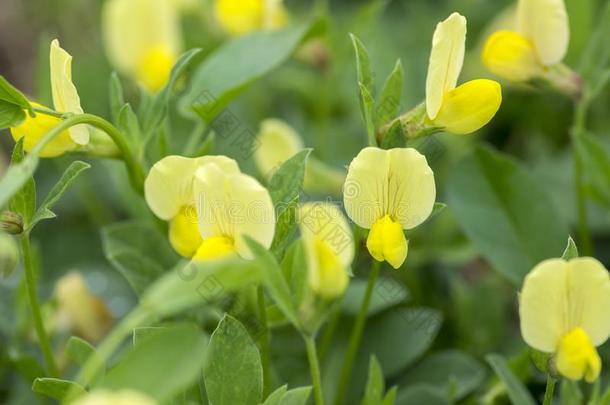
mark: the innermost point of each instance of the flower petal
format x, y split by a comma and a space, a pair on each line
446, 60
233, 205
65, 95
278, 143
169, 184
511, 56
325, 222
545, 22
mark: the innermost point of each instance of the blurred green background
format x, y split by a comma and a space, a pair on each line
444, 270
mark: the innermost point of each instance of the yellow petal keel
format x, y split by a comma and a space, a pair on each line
155, 67
215, 247
386, 241
184, 233
332, 279
511, 56
577, 358
32, 129
469, 107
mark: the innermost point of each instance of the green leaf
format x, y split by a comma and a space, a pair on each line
421, 394
274, 280
128, 124
595, 155
62, 390
196, 283
11, 115
446, 370
294, 268
145, 367
141, 333
375, 387
159, 107
10, 94
58, 190
363, 65
390, 398
505, 212
394, 137
138, 251
387, 293
366, 106
230, 69
285, 228
596, 57
117, 99
571, 251
233, 372
297, 396
388, 105
287, 182
412, 329
79, 350
28, 366
517, 392
276, 396
23, 201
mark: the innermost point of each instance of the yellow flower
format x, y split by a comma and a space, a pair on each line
563, 310
462, 109
231, 205
65, 100
387, 191
540, 41
239, 17
79, 310
142, 39
329, 245
168, 190
278, 142
121, 397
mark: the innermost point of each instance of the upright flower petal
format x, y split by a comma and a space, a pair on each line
169, 185
233, 205
545, 22
511, 56
142, 38
446, 60
239, 17
278, 143
65, 95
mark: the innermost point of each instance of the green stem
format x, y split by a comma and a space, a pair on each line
30, 280
329, 332
356, 335
581, 203
550, 388
264, 341
136, 174
314, 368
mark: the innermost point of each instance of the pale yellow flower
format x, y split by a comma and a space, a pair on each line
142, 39
239, 17
65, 100
79, 310
231, 206
465, 108
168, 190
563, 309
121, 397
539, 42
329, 245
387, 191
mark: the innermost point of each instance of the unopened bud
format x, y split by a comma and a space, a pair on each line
11, 222
9, 254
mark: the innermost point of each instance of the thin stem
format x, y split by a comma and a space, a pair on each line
32, 290
578, 128
135, 171
264, 340
356, 335
550, 388
314, 368
329, 332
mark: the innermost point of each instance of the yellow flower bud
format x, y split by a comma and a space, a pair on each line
511, 56
278, 142
32, 129
239, 17
469, 106
155, 67
79, 310
577, 357
386, 241
121, 397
